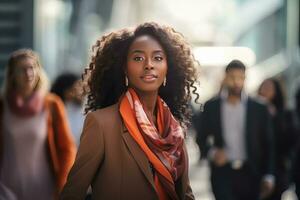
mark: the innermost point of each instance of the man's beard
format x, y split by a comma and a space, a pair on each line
234, 91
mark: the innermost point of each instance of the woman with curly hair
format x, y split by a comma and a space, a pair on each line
36, 145
132, 146
272, 93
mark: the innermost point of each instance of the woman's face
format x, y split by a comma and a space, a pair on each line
26, 74
267, 90
146, 64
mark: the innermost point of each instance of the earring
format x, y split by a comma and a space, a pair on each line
165, 81
126, 81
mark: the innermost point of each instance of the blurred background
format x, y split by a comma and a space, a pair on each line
264, 34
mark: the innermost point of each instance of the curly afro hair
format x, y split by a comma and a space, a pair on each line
105, 75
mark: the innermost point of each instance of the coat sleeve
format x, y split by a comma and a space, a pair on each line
88, 159
188, 193
203, 131
65, 146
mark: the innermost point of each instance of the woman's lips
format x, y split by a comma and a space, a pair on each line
29, 80
149, 78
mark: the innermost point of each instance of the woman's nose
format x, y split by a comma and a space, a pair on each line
149, 65
29, 72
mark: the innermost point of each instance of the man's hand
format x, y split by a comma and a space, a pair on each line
266, 189
220, 157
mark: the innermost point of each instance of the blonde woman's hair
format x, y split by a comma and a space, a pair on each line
10, 82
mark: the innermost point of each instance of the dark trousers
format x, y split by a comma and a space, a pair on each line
281, 184
298, 190
297, 185
230, 184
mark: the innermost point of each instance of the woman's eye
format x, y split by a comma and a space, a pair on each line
138, 58
158, 58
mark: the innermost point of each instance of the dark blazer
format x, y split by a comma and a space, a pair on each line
113, 163
259, 139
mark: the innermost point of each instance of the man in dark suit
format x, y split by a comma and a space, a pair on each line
236, 135
296, 160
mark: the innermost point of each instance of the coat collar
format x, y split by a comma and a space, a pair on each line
138, 155
144, 164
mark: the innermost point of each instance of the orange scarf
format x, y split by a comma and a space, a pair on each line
162, 146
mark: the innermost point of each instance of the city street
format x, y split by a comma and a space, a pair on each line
62, 58
199, 174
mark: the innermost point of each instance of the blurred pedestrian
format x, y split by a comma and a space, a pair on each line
37, 149
271, 91
240, 149
68, 87
132, 146
200, 135
296, 163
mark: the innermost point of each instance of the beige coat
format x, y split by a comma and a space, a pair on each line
112, 162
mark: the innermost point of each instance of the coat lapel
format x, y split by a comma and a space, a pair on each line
138, 155
219, 124
249, 114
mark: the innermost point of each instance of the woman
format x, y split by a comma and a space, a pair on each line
271, 91
37, 149
132, 146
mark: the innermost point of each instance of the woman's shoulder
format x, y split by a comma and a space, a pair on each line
53, 101
107, 115
51, 97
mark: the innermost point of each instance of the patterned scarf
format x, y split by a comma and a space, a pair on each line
26, 108
162, 145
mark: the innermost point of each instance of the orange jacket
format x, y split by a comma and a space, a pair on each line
61, 146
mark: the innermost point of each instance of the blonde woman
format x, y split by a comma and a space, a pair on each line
36, 146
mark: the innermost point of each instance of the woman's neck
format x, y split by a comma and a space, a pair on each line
148, 101
24, 93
